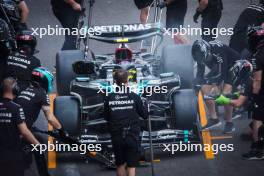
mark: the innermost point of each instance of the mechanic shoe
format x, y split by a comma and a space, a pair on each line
212, 123
236, 114
253, 155
229, 127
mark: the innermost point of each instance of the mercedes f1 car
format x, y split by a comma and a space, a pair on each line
80, 79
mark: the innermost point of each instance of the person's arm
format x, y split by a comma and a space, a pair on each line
22, 127
202, 5
24, 11
51, 118
257, 77
223, 100
141, 108
26, 133
45, 106
106, 113
239, 102
76, 6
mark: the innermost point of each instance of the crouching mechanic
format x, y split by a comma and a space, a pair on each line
32, 100
122, 111
12, 125
21, 63
255, 92
219, 58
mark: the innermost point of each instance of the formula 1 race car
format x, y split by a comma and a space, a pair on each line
166, 82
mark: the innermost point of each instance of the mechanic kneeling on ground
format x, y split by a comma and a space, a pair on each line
33, 99
12, 125
256, 93
122, 111
219, 58
21, 63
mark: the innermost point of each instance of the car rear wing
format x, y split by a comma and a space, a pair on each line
126, 33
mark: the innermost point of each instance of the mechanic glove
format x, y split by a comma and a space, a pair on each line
237, 94
196, 16
222, 100
61, 132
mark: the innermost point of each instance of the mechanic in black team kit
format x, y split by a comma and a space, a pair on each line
17, 12
33, 99
122, 111
20, 63
253, 15
211, 12
5, 47
68, 13
219, 58
255, 93
12, 124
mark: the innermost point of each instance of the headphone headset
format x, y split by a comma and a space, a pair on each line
15, 88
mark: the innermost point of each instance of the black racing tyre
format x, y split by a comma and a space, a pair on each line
184, 109
178, 59
67, 110
64, 71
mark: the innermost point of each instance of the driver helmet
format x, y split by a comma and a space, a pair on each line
26, 42
43, 77
240, 72
123, 54
201, 51
255, 37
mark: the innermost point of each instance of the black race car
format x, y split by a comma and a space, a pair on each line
165, 81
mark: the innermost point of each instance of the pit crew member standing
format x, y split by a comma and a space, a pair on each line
12, 124
122, 111
21, 63
176, 11
219, 58
33, 99
211, 12
17, 12
68, 20
5, 48
253, 15
143, 6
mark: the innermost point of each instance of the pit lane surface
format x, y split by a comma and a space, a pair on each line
186, 164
